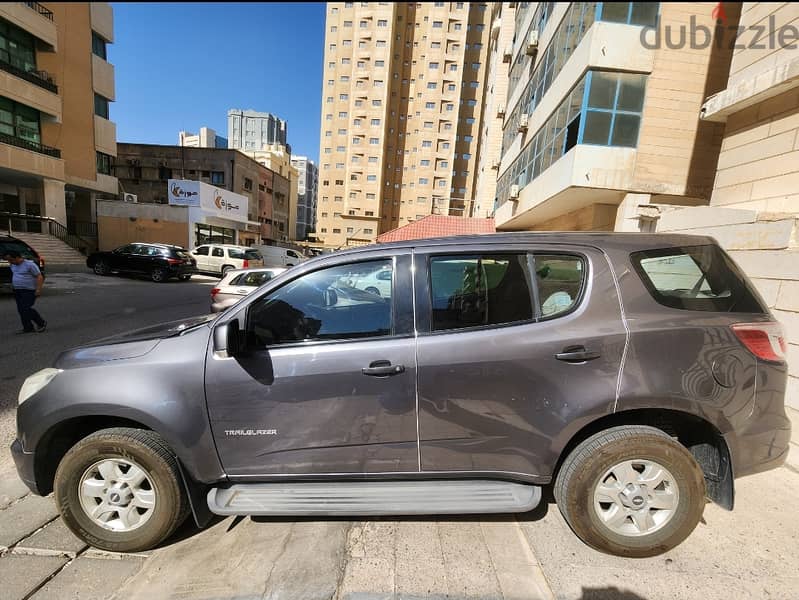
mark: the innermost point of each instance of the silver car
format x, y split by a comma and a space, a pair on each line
238, 283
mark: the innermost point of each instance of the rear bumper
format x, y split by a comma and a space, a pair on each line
182, 270
24, 462
762, 446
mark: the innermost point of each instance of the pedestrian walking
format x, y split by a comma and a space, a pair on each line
27, 281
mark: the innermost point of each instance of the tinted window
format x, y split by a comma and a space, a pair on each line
23, 249
255, 279
470, 291
218, 252
244, 254
696, 278
322, 305
559, 280
129, 249
202, 251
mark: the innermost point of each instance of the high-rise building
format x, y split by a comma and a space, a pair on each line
308, 180
57, 141
401, 110
206, 138
601, 121
251, 130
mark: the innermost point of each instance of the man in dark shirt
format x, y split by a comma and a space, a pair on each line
27, 281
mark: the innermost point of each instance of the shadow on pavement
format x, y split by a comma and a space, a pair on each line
608, 593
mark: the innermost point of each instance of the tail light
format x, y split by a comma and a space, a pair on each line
41, 261
246, 263
765, 340
214, 292
174, 261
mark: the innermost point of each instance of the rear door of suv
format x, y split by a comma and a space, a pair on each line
516, 345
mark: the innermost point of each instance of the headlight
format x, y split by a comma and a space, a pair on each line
36, 382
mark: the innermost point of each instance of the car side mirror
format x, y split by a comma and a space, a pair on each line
228, 340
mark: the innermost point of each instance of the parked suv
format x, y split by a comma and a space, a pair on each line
159, 262
637, 374
8, 243
221, 258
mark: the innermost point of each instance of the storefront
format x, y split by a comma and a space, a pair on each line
214, 214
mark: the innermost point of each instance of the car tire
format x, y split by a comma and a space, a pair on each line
227, 268
101, 268
159, 275
184, 277
372, 290
631, 491
108, 458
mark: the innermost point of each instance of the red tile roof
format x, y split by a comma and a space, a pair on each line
433, 226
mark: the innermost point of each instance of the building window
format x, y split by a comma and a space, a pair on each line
375, 122
451, 87
438, 24
248, 184
423, 181
374, 141
101, 106
218, 177
433, 65
103, 163
382, 23
371, 178
98, 46
17, 47
427, 144
430, 105
164, 173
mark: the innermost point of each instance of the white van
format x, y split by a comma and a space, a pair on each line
276, 256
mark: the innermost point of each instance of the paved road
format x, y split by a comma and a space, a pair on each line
750, 553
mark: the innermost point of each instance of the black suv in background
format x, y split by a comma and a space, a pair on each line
8, 243
159, 262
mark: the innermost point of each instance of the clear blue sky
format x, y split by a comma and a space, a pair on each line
182, 66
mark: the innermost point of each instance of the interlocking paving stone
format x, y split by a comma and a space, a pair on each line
20, 575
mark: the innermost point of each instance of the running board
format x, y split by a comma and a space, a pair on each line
374, 498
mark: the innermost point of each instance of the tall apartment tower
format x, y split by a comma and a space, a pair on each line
251, 130
308, 181
57, 141
401, 111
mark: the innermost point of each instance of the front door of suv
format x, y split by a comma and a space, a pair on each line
514, 342
328, 384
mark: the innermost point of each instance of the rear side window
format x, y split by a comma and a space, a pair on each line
255, 279
559, 279
218, 252
244, 254
470, 291
202, 251
696, 278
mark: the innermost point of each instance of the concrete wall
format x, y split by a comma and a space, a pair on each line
121, 223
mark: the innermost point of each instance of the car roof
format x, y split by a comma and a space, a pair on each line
257, 270
157, 244
602, 240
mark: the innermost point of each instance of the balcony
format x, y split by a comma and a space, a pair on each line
105, 135
40, 78
33, 18
103, 77
102, 17
28, 145
20, 157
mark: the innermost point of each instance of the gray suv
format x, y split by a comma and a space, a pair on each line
637, 374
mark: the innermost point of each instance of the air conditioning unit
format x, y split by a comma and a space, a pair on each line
507, 54
130, 198
495, 165
514, 192
532, 43
524, 121
501, 111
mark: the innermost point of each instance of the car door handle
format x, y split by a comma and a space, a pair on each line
577, 354
382, 368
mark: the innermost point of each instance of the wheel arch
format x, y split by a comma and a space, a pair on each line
698, 435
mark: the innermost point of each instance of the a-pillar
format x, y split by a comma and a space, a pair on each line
55, 205
627, 213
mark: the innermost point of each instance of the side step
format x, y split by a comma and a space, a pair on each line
374, 498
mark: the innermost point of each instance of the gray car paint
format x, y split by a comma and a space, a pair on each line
668, 363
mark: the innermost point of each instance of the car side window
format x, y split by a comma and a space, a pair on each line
473, 291
559, 279
255, 279
202, 251
218, 252
127, 249
322, 305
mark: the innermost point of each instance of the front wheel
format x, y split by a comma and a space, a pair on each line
120, 490
101, 268
159, 275
631, 491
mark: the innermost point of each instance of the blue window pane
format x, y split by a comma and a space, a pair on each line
615, 12
597, 128
625, 130
603, 90
645, 13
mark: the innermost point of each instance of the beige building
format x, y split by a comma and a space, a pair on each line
401, 112
205, 138
56, 140
602, 113
754, 205
277, 158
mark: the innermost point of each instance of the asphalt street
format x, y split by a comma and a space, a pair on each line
748, 553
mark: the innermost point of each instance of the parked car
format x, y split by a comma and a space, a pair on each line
237, 283
8, 243
221, 258
377, 282
276, 256
159, 262
637, 374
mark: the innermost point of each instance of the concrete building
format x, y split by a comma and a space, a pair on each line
144, 171
206, 138
277, 158
754, 205
602, 112
57, 141
401, 111
251, 130
308, 181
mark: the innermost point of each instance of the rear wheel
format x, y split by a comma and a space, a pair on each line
227, 268
159, 275
372, 290
631, 491
101, 268
120, 490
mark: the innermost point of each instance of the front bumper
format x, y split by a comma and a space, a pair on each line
24, 462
